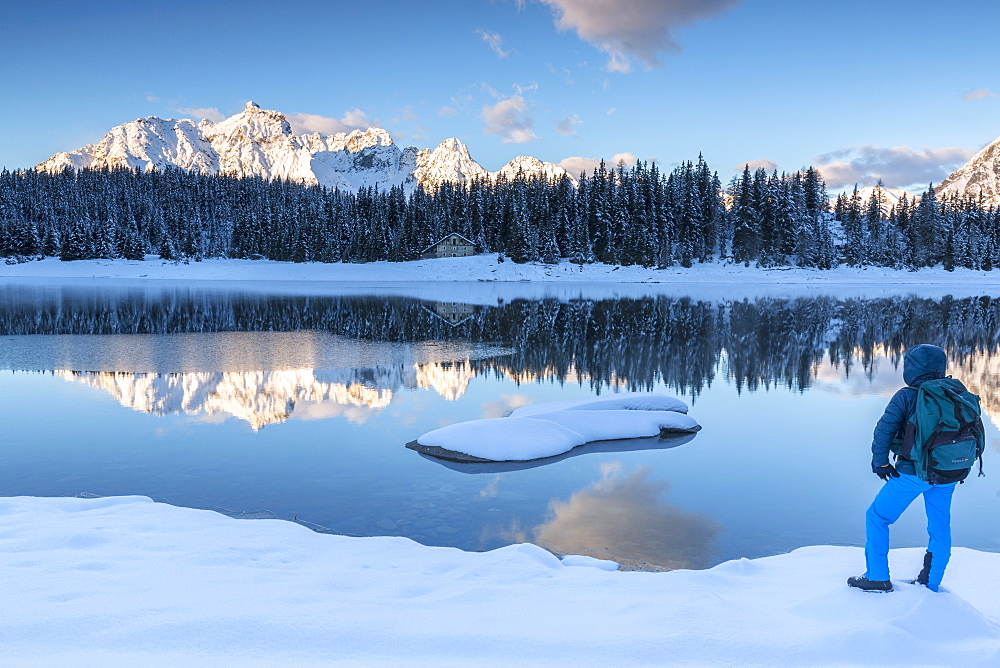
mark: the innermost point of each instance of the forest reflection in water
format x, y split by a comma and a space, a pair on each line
332, 386
359, 350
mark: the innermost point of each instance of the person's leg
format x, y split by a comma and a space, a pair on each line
894, 497
937, 503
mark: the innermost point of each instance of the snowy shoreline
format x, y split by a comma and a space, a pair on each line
125, 581
482, 280
484, 268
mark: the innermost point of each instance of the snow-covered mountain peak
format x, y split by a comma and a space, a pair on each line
449, 162
980, 177
453, 145
252, 123
359, 140
260, 142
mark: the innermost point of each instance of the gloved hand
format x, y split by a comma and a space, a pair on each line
887, 471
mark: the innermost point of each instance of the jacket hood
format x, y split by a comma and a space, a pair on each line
923, 362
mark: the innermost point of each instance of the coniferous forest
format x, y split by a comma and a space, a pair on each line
621, 216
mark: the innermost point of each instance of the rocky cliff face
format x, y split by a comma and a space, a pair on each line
978, 177
259, 142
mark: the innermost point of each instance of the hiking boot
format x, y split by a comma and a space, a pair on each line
925, 572
861, 582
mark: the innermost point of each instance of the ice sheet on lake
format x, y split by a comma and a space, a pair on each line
553, 428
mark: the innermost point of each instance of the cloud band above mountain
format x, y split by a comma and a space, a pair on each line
899, 166
577, 165
354, 119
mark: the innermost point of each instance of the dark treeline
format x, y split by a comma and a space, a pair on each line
616, 216
681, 342
919, 232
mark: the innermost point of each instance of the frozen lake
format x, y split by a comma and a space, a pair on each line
298, 406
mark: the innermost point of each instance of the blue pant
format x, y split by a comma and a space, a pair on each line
889, 504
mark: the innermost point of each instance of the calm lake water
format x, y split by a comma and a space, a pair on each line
298, 406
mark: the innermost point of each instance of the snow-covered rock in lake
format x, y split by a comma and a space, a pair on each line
260, 142
552, 428
978, 177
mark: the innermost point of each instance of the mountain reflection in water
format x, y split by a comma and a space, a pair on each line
357, 351
269, 397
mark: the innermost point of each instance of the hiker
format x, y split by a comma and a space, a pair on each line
914, 474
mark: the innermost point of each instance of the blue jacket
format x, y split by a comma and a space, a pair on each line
921, 363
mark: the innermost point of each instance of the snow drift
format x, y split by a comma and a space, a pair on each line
125, 581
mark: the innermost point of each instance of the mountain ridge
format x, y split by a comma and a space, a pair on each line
260, 142
980, 176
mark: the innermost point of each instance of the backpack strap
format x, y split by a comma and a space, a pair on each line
981, 437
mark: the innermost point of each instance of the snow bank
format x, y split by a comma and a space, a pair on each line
125, 581
486, 268
552, 428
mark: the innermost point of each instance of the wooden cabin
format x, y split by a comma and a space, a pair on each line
453, 245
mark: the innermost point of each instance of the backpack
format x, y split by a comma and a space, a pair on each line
944, 436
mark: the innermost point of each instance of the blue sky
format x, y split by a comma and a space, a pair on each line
902, 90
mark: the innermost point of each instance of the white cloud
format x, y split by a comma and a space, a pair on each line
623, 159
625, 516
897, 166
509, 119
568, 125
504, 405
447, 112
577, 165
355, 119
978, 94
761, 163
627, 29
308, 123
495, 42
211, 113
